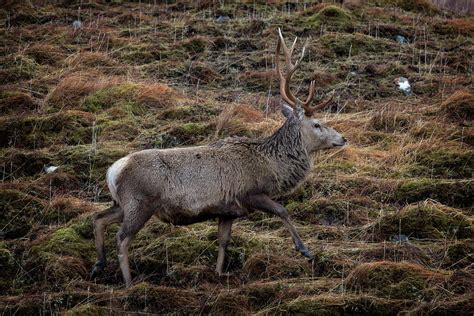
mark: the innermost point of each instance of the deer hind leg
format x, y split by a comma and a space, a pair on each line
264, 203
136, 215
224, 232
101, 220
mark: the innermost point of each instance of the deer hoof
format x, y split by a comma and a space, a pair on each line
305, 252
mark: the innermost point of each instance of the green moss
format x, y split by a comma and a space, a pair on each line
123, 96
68, 242
459, 255
88, 164
195, 112
22, 163
424, 6
405, 283
19, 67
167, 68
425, 220
267, 265
345, 45
192, 133
20, 212
15, 102
159, 299
8, 267
456, 193
336, 304
160, 249
139, 53
399, 280
156, 255
65, 127
195, 45
201, 72
264, 295
443, 164
331, 16
85, 310
333, 211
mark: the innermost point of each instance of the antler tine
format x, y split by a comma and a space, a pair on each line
312, 109
284, 90
285, 80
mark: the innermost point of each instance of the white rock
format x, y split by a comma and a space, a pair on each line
77, 24
50, 169
404, 85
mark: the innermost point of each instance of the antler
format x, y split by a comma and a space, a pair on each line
285, 80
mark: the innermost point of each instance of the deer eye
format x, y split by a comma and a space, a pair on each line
317, 125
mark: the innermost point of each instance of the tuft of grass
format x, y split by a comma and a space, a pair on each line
425, 220
443, 164
333, 17
20, 213
146, 296
275, 267
455, 193
33, 131
192, 133
157, 96
17, 67
16, 102
459, 255
122, 96
399, 280
345, 45
459, 106
7, 262
390, 121
86, 310
70, 91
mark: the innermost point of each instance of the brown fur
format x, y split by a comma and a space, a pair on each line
224, 180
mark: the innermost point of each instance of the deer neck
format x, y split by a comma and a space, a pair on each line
286, 150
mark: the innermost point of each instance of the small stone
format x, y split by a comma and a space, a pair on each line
222, 18
77, 24
404, 85
401, 39
50, 169
399, 238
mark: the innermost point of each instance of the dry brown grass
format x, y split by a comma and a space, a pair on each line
16, 102
394, 279
459, 106
157, 95
92, 60
74, 87
45, 53
463, 26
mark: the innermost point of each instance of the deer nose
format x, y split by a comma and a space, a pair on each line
344, 139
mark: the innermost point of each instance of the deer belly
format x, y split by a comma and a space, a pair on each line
185, 217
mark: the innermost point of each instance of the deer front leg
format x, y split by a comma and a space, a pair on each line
263, 203
224, 231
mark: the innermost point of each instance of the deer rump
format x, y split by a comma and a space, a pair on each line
187, 185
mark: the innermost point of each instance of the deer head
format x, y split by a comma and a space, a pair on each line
316, 135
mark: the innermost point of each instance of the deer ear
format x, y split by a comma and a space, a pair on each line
286, 110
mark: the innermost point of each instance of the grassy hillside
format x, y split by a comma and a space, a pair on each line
389, 218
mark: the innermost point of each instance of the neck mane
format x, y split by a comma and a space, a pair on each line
285, 147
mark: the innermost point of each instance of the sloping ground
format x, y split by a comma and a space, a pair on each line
389, 218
